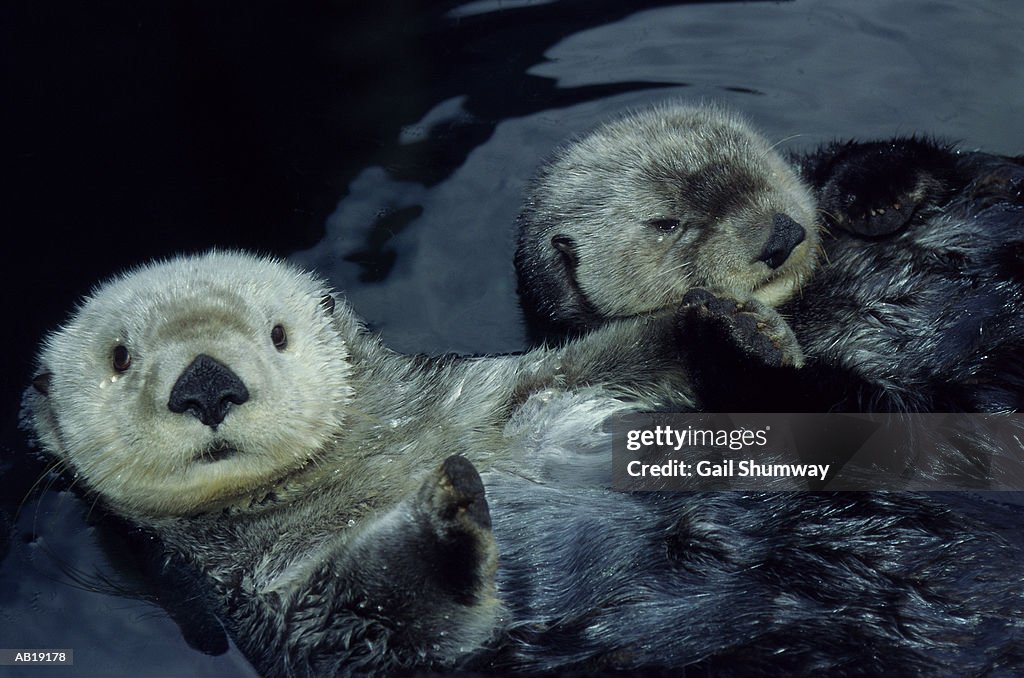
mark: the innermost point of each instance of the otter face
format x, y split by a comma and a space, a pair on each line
188, 383
649, 206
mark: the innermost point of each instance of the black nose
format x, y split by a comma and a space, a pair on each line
206, 389
786, 235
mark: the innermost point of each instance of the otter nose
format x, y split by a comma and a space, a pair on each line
786, 235
206, 389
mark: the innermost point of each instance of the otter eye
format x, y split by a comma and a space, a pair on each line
664, 225
327, 304
121, 359
278, 337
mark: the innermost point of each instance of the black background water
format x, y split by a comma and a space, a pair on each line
387, 145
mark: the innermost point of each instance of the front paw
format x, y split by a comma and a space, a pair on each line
874, 189
415, 588
879, 217
434, 554
729, 329
453, 503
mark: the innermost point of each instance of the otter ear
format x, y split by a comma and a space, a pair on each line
41, 383
566, 246
327, 304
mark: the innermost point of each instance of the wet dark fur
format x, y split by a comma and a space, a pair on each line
738, 584
927, 318
595, 581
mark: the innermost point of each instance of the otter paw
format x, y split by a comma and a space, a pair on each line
874, 189
881, 218
455, 529
871, 206
754, 330
453, 498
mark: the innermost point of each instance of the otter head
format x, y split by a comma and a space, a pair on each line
192, 383
629, 218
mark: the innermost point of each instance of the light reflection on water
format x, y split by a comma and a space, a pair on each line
805, 74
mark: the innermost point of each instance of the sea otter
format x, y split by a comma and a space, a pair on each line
345, 509
906, 298
234, 406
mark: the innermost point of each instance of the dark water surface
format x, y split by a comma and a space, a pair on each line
388, 147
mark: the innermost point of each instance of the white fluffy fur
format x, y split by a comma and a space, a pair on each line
603, 190
115, 429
